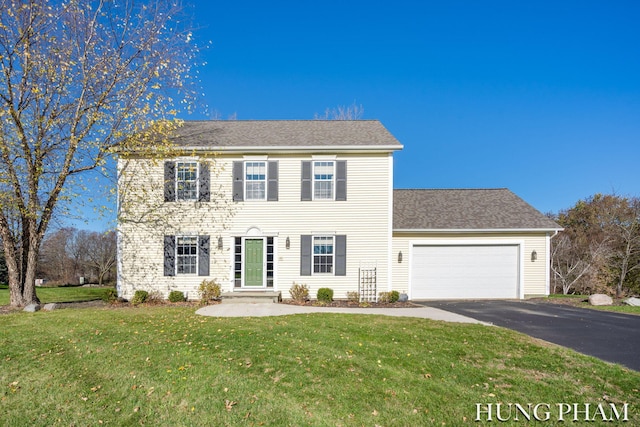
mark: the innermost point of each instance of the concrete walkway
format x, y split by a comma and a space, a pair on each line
273, 309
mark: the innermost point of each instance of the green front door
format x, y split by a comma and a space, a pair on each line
253, 262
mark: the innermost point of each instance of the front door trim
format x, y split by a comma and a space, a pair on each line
262, 263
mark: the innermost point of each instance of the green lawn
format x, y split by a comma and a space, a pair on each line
616, 308
628, 309
62, 294
167, 366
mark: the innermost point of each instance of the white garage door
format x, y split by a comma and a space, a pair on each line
464, 272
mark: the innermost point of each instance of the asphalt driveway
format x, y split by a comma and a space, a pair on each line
608, 336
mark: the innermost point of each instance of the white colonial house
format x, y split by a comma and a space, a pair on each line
261, 205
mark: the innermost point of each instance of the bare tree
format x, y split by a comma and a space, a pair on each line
571, 264
77, 79
341, 112
101, 253
626, 232
55, 263
601, 243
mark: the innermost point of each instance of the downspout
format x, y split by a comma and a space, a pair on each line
548, 266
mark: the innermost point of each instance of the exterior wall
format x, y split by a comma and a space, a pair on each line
535, 273
363, 218
144, 220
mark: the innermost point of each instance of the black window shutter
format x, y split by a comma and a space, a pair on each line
238, 181
272, 185
204, 194
306, 181
305, 255
341, 180
341, 255
169, 255
169, 181
203, 255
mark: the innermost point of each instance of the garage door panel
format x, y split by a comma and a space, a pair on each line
459, 272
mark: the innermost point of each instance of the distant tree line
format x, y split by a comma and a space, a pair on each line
599, 249
69, 254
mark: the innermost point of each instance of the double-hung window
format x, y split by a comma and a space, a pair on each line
323, 254
187, 255
323, 179
255, 180
187, 180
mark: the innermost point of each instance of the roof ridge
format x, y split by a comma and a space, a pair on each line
452, 189
274, 120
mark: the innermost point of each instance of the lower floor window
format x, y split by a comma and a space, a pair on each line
322, 254
187, 255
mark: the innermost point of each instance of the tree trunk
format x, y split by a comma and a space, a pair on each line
22, 283
623, 275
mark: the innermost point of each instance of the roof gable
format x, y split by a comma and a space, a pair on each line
465, 209
286, 134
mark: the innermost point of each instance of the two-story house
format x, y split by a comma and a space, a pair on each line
260, 205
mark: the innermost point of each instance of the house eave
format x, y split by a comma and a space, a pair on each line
475, 230
301, 149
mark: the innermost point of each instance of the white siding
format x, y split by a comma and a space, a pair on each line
363, 218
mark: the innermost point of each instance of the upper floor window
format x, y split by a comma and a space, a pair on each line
255, 180
323, 173
187, 180
323, 180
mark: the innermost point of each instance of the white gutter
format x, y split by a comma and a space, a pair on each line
476, 230
288, 148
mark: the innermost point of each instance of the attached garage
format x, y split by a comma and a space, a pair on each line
471, 271
469, 244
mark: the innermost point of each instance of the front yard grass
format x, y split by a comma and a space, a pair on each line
168, 366
60, 294
579, 301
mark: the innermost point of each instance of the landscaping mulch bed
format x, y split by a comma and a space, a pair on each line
350, 304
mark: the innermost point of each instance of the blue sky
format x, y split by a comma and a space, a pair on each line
542, 97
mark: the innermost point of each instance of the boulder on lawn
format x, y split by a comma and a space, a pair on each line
632, 301
50, 307
31, 308
600, 299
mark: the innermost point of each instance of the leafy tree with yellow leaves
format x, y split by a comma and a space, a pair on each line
78, 78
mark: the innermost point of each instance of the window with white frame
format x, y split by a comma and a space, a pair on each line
323, 178
187, 255
323, 254
187, 180
255, 180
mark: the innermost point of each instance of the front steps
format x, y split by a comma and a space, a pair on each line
247, 297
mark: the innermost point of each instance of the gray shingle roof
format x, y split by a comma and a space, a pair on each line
460, 209
293, 134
